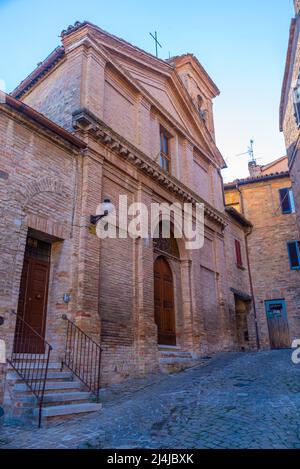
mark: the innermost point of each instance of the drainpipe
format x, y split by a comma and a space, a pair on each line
249, 270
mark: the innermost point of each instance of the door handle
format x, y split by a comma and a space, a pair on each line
38, 297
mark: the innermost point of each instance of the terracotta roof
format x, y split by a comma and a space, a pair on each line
41, 120
39, 72
273, 163
79, 25
251, 180
238, 217
286, 72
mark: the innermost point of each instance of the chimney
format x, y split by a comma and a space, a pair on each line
297, 6
254, 169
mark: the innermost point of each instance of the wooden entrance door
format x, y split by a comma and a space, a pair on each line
164, 302
32, 306
278, 324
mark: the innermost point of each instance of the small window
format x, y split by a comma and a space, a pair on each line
165, 160
238, 253
294, 254
287, 200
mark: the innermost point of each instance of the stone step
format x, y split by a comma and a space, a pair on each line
173, 363
57, 397
36, 375
62, 410
67, 397
39, 366
177, 355
172, 351
171, 360
30, 356
57, 385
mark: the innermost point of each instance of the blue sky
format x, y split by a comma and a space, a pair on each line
242, 45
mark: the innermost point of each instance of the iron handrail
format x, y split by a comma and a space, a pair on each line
30, 359
82, 357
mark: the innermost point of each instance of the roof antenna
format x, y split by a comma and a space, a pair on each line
250, 152
156, 42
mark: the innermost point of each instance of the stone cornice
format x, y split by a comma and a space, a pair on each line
84, 120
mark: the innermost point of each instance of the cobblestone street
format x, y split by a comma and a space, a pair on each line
231, 401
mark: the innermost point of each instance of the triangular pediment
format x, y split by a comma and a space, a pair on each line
159, 83
171, 98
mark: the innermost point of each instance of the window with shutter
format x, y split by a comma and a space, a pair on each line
297, 104
297, 113
292, 201
238, 252
294, 254
285, 200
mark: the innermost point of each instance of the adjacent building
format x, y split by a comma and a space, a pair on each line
266, 199
290, 106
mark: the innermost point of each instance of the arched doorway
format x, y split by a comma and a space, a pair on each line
164, 302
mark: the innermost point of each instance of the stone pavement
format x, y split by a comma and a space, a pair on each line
249, 400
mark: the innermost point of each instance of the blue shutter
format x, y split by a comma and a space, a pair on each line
294, 254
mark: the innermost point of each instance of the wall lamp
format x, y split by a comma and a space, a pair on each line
107, 208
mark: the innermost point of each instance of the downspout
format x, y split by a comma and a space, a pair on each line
249, 270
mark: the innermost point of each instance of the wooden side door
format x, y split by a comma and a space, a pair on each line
278, 324
33, 296
164, 302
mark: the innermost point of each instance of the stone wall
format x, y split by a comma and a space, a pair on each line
269, 261
290, 128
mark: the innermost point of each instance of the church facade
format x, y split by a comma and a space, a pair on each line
100, 118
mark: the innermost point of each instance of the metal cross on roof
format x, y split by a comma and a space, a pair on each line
156, 42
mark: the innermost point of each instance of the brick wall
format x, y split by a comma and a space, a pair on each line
84, 78
38, 192
238, 277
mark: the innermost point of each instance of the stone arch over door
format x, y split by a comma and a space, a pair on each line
164, 308
179, 259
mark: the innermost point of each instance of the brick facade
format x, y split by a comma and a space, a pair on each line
258, 199
116, 99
